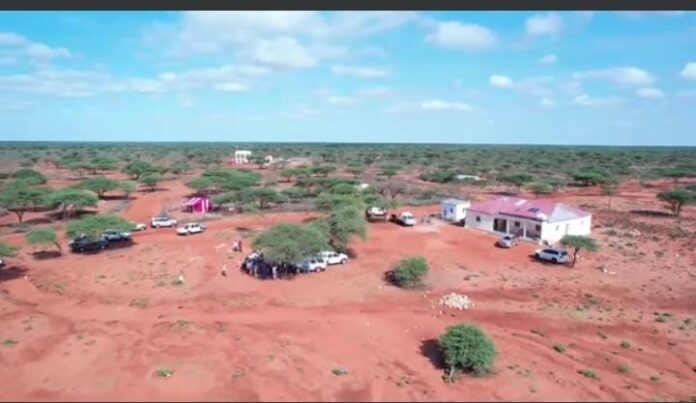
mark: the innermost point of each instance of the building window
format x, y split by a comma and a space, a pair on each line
478, 218
517, 224
538, 228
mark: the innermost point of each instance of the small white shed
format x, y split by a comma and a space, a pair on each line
454, 210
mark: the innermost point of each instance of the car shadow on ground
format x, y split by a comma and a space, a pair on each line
11, 273
430, 349
46, 254
533, 259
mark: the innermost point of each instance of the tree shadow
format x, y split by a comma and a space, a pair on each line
57, 216
117, 197
430, 348
11, 273
46, 254
351, 253
39, 220
652, 213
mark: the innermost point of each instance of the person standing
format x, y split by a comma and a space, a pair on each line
239, 244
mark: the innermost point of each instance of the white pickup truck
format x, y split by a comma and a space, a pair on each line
191, 228
406, 219
333, 257
159, 222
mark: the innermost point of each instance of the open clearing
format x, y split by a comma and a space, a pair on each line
114, 326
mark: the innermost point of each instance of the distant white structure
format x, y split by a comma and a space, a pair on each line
454, 210
269, 159
363, 186
537, 220
242, 156
468, 177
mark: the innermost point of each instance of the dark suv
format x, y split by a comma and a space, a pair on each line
83, 243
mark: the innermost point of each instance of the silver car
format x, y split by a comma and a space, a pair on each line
508, 241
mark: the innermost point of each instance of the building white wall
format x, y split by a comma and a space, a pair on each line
553, 232
242, 156
454, 212
485, 221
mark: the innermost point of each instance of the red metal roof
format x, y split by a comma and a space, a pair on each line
542, 210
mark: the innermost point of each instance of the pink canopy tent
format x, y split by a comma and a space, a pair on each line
198, 205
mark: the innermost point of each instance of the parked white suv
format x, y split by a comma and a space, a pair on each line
333, 257
552, 255
314, 264
159, 222
191, 228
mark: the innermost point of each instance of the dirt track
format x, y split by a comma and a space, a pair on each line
97, 327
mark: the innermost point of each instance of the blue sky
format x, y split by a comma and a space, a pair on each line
621, 78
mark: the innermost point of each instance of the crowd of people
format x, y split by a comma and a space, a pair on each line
255, 265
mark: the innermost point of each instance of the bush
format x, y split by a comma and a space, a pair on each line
588, 373
623, 369
409, 272
467, 348
559, 347
625, 344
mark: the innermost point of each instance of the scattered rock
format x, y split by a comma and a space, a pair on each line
456, 301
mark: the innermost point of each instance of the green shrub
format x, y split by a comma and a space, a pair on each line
164, 372
409, 272
625, 344
559, 347
588, 373
467, 348
623, 369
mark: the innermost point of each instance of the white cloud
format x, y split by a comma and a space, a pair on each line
12, 39
650, 93
230, 87
548, 59
500, 81
301, 111
549, 24
18, 47
627, 76
590, 101
283, 53
547, 103
41, 52
360, 71
374, 92
341, 100
689, 71
455, 35
440, 105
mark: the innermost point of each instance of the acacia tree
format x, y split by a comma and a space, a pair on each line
7, 250
677, 198
99, 185
29, 176
127, 187
516, 180
21, 196
290, 242
95, 225
43, 236
466, 347
138, 168
150, 180
610, 190
343, 223
264, 196
389, 170
539, 188
70, 200
579, 242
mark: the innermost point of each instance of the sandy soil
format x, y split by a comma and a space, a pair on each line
98, 327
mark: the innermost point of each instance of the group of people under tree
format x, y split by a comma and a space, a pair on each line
255, 265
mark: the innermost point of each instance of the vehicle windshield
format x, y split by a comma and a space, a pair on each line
407, 216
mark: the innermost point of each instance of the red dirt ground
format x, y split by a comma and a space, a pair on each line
97, 327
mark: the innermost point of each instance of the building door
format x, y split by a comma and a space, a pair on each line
500, 225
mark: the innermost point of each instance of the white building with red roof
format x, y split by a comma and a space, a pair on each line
538, 220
